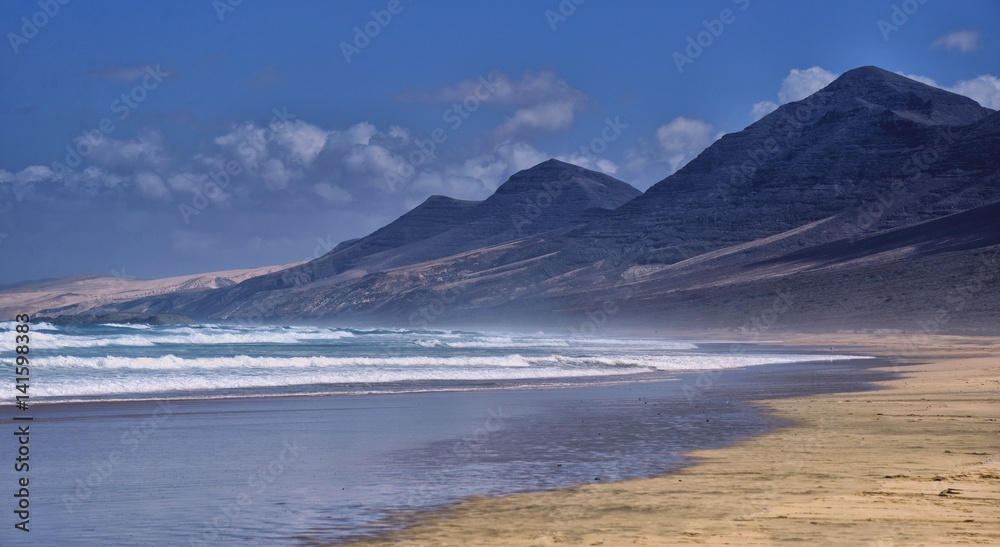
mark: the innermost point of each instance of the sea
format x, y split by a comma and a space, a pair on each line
296, 435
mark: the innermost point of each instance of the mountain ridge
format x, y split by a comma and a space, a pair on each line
872, 153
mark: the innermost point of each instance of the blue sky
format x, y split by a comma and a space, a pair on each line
165, 138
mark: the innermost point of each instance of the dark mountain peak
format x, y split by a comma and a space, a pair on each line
554, 177
438, 201
870, 73
870, 89
553, 163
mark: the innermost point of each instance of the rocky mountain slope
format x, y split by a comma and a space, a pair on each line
865, 205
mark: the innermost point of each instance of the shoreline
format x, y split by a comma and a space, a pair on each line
359, 463
914, 462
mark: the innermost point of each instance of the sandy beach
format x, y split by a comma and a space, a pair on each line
915, 463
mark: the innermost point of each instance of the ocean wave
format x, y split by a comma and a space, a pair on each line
137, 326
187, 384
703, 361
191, 336
11, 325
172, 362
493, 342
555, 361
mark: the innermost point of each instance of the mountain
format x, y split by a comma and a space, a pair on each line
850, 144
865, 205
550, 196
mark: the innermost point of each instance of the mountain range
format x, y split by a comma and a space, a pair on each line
872, 204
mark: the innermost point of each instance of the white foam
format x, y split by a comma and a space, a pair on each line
492, 342
137, 326
704, 361
117, 385
172, 362
11, 325
190, 336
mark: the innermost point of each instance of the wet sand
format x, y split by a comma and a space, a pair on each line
311, 470
916, 463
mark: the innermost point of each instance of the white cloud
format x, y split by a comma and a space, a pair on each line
500, 89
30, 174
276, 174
247, 142
301, 141
331, 193
550, 116
798, 85
984, 89
763, 108
22, 184
684, 136
145, 150
520, 155
93, 179
677, 142
362, 133
151, 186
921, 79
541, 101
41, 180
374, 160
187, 182
961, 40
476, 177
593, 163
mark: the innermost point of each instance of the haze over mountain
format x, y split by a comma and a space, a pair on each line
870, 204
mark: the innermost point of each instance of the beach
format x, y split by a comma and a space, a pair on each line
223, 435
914, 463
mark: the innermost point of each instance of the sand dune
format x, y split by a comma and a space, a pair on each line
80, 293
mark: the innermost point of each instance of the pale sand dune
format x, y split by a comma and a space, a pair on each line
84, 292
915, 464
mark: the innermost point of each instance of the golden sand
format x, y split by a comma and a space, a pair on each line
917, 463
